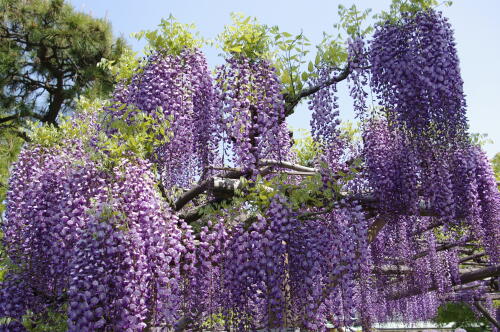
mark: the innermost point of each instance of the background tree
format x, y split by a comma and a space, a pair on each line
49, 55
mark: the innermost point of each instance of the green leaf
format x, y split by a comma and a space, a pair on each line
5, 320
285, 78
236, 49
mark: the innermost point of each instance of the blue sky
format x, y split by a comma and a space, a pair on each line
476, 25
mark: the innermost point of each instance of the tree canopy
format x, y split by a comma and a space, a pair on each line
183, 201
49, 55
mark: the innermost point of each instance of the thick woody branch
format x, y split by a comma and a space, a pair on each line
375, 228
192, 193
295, 173
465, 278
287, 165
487, 272
8, 118
208, 184
235, 173
486, 314
472, 257
368, 202
371, 206
443, 247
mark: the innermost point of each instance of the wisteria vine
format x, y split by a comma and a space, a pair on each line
98, 239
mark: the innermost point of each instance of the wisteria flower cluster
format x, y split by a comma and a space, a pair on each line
456, 185
253, 110
102, 241
95, 239
178, 89
415, 73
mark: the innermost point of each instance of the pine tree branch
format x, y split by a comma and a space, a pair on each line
8, 118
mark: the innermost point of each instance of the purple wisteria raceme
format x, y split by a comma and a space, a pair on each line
253, 110
457, 187
392, 167
46, 213
205, 293
131, 260
358, 78
324, 120
416, 75
428, 276
484, 216
255, 269
102, 240
16, 296
178, 89
325, 256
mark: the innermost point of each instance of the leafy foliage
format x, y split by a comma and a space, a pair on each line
496, 166
134, 136
462, 316
305, 148
290, 53
10, 145
352, 20
171, 36
245, 36
123, 68
49, 321
404, 7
